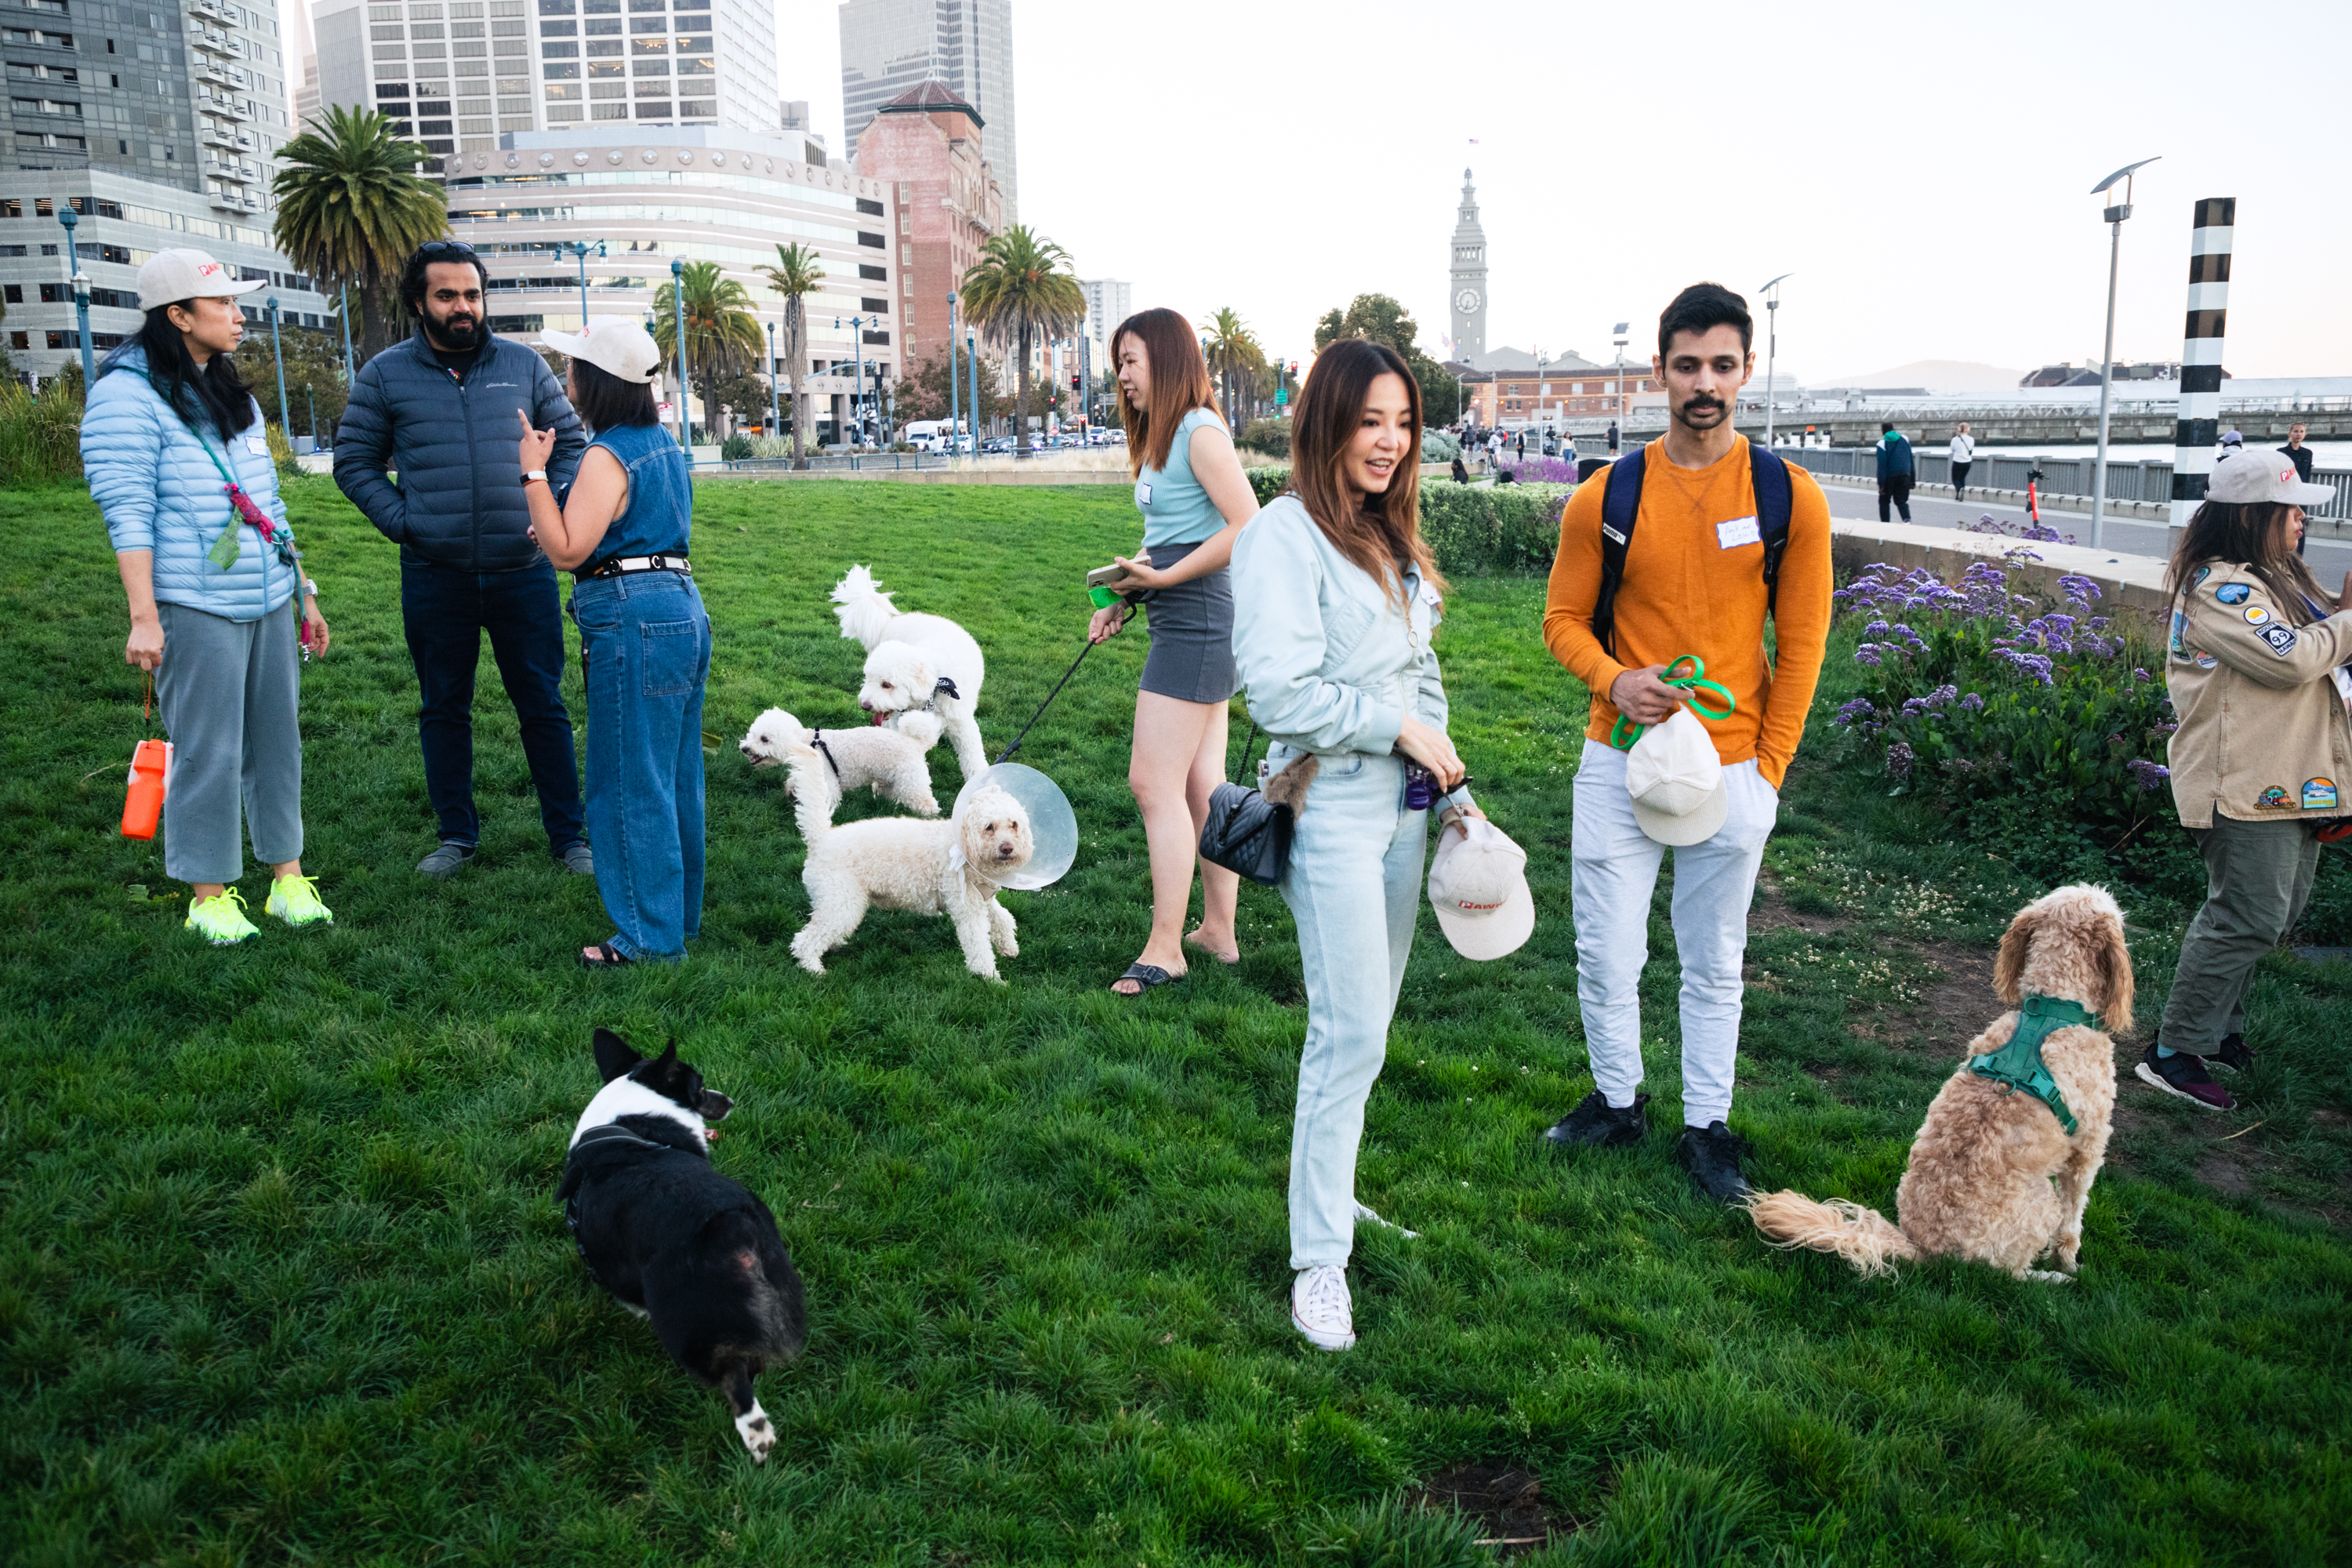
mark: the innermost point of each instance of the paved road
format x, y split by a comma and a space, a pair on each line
2330, 559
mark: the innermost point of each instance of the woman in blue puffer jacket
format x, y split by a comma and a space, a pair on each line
176, 456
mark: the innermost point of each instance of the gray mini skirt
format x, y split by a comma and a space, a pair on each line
1192, 657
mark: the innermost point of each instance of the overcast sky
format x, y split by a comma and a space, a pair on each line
1922, 170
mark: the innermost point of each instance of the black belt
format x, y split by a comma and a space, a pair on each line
624, 565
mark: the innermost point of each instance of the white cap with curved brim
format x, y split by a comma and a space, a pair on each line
1676, 780
1478, 886
617, 345
2253, 478
169, 277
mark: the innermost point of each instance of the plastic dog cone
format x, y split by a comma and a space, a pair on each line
1053, 825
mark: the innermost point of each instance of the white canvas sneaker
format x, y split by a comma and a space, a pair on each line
1321, 1310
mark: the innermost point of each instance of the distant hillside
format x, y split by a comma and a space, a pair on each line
1936, 375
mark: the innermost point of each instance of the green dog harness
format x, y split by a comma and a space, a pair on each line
2018, 1065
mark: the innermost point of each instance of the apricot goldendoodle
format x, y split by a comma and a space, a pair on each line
1995, 1173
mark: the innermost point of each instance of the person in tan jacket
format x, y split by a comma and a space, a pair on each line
2256, 662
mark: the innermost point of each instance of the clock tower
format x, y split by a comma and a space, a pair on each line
1469, 300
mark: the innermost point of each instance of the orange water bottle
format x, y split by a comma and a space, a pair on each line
150, 780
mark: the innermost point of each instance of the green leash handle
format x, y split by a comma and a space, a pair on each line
1692, 682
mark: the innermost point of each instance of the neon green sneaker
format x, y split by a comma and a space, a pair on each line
219, 919
295, 901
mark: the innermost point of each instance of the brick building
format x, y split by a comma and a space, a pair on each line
928, 144
1567, 388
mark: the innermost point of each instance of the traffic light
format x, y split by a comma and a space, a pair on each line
1075, 382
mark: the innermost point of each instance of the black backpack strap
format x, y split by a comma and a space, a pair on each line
1774, 504
1620, 504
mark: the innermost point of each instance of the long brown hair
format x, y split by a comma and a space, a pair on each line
1379, 533
1179, 383
2248, 532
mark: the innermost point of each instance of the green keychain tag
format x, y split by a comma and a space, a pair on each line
1102, 597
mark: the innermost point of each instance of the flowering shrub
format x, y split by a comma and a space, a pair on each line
1974, 693
2038, 533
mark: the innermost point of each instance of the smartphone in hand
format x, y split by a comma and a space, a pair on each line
1104, 577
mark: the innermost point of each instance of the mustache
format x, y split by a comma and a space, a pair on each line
1696, 403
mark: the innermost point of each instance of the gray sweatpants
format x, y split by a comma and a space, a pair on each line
228, 691
2258, 878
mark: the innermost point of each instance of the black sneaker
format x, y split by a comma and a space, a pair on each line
1712, 1154
2234, 1053
1594, 1124
446, 860
2185, 1075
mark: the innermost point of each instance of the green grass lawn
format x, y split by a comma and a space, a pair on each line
281, 1278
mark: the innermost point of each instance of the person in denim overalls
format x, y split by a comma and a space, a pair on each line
644, 640
1335, 600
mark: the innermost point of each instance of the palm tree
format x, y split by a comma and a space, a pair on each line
1021, 290
1233, 354
351, 208
721, 335
797, 273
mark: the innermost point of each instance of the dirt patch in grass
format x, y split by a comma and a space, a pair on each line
1505, 1502
1771, 911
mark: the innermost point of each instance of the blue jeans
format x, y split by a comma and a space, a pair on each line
1354, 886
645, 646
444, 612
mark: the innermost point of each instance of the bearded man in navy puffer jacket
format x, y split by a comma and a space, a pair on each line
439, 412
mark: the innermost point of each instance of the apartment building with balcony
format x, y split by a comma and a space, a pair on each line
158, 128
641, 196
926, 144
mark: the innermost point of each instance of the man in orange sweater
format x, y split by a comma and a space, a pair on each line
1694, 582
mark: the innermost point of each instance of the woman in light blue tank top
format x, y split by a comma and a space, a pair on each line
1195, 499
644, 640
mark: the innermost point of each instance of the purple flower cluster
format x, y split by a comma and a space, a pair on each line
1860, 707
1972, 702
1899, 760
2146, 774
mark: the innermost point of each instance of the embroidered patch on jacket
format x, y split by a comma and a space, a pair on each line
2255, 614
2233, 593
2319, 794
2205, 662
2281, 639
2274, 799
2179, 646
2200, 576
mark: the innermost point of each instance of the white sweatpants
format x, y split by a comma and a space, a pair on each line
1615, 868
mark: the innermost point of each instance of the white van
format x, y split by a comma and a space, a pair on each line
931, 434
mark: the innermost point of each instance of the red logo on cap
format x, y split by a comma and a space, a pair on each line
2286, 476
208, 268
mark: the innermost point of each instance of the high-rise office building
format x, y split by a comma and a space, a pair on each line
459, 75
890, 47
159, 128
1109, 303
929, 147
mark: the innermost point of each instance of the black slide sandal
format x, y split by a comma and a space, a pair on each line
607, 957
1147, 977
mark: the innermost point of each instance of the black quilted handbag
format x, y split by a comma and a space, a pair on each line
1246, 832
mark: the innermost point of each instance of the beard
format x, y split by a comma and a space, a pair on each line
454, 331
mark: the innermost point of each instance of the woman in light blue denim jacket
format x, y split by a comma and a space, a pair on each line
1335, 601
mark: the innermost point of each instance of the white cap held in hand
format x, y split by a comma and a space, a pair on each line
1478, 886
1676, 781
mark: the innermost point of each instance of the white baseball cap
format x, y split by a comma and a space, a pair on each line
617, 345
171, 275
1676, 781
1478, 886
2251, 477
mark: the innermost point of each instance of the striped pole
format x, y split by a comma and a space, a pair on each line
2200, 424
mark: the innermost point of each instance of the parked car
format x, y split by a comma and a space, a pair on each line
997, 444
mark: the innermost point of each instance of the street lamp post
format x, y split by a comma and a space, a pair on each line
677, 298
972, 368
579, 251
955, 386
775, 410
1771, 348
350, 371
857, 370
1617, 336
2114, 216
77, 280
277, 353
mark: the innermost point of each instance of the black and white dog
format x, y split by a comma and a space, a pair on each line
673, 1240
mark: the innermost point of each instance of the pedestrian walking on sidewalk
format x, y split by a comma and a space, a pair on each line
623, 533
1694, 586
1336, 599
440, 410
1964, 454
1895, 471
1195, 500
178, 461
2255, 666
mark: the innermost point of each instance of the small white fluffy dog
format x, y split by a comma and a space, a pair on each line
899, 863
915, 661
889, 758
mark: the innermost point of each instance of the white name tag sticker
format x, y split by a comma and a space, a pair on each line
258, 445
1738, 532
1143, 492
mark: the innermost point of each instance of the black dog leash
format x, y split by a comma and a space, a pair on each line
817, 739
1051, 695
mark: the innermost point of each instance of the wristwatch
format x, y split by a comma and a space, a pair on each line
309, 588
539, 474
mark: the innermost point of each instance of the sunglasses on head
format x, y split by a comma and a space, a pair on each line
446, 247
